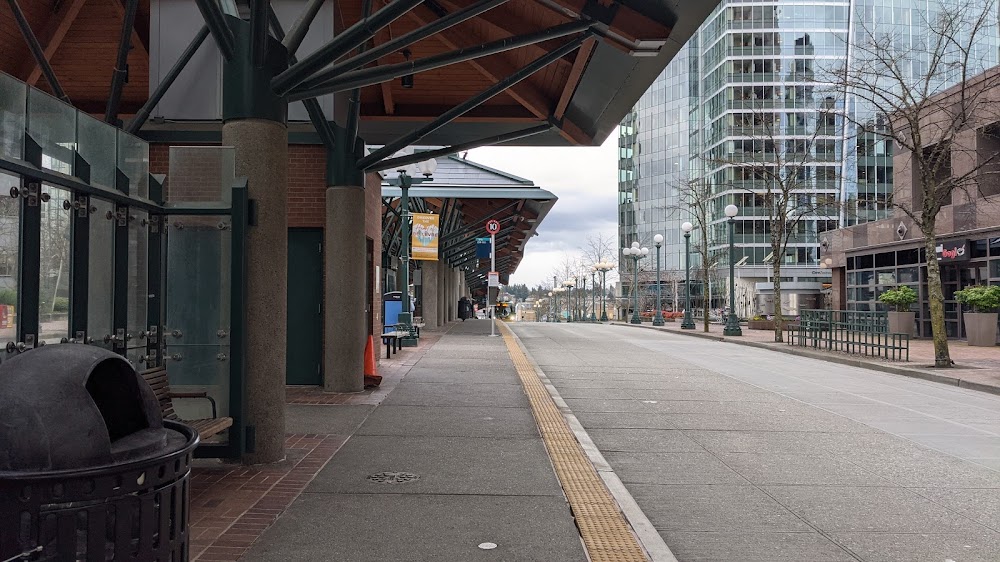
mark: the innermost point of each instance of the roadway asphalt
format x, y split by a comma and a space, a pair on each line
735, 453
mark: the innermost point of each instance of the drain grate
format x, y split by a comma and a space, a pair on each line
393, 477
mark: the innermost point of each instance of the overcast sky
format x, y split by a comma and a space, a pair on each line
586, 182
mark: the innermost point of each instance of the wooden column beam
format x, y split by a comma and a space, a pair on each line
575, 74
621, 21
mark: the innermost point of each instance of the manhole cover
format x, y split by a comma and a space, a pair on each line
393, 477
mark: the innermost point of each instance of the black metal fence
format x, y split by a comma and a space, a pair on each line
851, 331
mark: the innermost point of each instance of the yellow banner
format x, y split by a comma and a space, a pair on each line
425, 236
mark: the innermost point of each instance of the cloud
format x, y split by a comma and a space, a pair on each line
586, 181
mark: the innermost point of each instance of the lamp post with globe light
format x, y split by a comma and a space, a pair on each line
636, 253
688, 323
552, 310
732, 320
603, 268
408, 177
593, 293
568, 287
658, 317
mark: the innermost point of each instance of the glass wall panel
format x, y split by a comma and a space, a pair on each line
96, 144
133, 160
53, 283
196, 331
100, 274
138, 287
10, 236
52, 124
13, 97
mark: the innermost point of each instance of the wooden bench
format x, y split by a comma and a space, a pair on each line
157, 380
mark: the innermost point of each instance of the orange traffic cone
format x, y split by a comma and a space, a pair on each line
371, 375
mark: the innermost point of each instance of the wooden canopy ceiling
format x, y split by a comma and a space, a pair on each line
583, 94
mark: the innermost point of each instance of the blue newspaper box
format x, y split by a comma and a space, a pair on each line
392, 306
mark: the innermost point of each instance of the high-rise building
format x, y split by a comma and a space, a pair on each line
751, 95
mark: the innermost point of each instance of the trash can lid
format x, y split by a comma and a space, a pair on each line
61, 407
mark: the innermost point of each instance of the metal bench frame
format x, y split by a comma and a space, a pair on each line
206, 427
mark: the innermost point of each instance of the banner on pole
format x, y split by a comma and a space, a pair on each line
494, 279
483, 248
425, 236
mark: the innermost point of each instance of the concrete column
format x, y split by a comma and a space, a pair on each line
429, 280
262, 157
456, 292
442, 293
449, 286
345, 325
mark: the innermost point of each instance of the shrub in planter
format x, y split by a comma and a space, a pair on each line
981, 323
901, 321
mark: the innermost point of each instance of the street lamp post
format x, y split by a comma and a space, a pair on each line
732, 321
593, 293
568, 287
658, 317
407, 177
636, 253
688, 323
552, 309
604, 268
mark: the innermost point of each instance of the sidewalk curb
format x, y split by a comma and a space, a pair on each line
848, 361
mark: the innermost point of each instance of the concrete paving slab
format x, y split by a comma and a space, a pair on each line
867, 510
980, 505
965, 446
925, 467
379, 528
618, 420
606, 405
423, 394
775, 422
450, 421
444, 376
672, 468
643, 441
717, 507
923, 547
445, 465
754, 547
739, 441
773, 468
331, 419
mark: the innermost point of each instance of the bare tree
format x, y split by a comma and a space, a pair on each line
599, 248
695, 204
777, 163
924, 99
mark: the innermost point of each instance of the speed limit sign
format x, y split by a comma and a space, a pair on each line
492, 226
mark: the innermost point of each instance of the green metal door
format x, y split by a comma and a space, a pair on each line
304, 362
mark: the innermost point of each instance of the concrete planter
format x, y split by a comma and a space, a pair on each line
902, 323
981, 328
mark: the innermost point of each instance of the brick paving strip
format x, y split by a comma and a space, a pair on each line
232, 505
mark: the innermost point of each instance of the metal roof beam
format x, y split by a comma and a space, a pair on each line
456, 148
471, 103
147, 108
370, 76
401, 42
121, 63
340, 45
216, 22
36, 50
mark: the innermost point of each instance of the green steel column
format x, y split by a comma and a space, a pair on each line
254, 123
688, 323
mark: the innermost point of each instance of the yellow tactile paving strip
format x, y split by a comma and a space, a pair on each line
606, 534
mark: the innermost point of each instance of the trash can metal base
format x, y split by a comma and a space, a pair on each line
135, 510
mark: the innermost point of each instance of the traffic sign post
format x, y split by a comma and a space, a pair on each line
493, 227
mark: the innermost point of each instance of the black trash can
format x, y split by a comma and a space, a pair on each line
89, 470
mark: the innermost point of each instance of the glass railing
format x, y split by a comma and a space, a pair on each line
64, 133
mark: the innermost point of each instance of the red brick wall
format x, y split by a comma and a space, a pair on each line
306, 186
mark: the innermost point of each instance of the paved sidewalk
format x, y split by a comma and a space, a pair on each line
458, 434
977, 368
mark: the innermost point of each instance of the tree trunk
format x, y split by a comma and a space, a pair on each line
935, 297
776, 274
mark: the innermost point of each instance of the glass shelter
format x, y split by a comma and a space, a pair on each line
96, 251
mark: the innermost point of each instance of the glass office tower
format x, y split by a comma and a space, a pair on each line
750, 89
